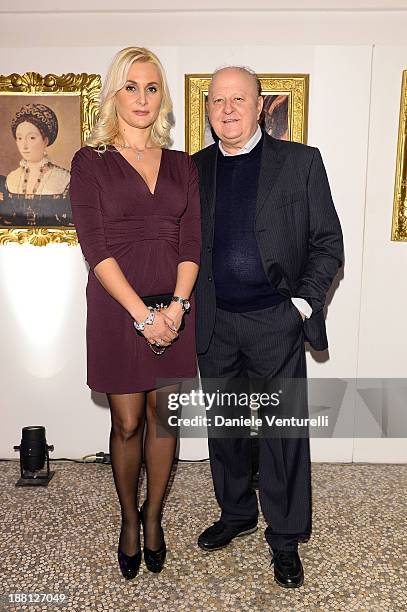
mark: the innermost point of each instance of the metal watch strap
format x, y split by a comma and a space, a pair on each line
183, 301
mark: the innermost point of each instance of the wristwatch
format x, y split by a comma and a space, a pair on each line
184, 302
149, 320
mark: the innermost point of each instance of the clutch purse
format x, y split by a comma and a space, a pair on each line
158, 302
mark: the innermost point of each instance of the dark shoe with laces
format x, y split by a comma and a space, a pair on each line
288, 571
154, 559
220, 535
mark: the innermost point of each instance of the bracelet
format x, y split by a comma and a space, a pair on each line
149, 320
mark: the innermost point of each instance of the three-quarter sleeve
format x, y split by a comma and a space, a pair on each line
86, 208
190, 225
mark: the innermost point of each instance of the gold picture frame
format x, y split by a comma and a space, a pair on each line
294, 88
63, 92
399, 221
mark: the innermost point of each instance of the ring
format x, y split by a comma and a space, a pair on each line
158, 343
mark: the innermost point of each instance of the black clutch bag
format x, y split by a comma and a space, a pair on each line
160, 301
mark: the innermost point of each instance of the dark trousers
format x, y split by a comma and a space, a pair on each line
261, 345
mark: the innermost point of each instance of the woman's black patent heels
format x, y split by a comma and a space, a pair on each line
129, 565
154, 558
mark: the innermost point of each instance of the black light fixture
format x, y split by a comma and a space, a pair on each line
34, 450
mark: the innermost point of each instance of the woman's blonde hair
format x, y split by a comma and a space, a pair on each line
106, 129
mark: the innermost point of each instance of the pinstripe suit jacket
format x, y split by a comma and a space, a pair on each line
296, 226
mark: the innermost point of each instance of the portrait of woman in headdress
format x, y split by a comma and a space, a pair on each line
36, 192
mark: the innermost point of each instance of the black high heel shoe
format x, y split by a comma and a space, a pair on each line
129, 565
154, 558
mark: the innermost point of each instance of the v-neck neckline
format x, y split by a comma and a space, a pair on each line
152, 193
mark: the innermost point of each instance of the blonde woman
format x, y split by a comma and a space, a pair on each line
136, 208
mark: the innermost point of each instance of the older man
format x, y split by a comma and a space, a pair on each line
272, 244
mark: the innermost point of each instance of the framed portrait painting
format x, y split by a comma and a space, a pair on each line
44, 120
285, 110
399, 224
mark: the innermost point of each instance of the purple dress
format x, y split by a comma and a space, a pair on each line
116, 215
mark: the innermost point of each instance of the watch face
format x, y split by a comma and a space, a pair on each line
187, 305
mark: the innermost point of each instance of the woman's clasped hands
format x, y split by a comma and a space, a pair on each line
164, 329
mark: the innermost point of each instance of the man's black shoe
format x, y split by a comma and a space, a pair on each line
288, 570
220, 535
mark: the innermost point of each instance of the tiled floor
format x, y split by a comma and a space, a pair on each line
63, 539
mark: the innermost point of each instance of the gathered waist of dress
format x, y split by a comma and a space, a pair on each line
138, 228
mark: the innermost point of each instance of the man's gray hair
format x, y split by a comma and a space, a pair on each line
246, 69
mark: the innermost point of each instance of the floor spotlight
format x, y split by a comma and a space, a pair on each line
34, 450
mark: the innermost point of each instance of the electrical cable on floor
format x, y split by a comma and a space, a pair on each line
103, 459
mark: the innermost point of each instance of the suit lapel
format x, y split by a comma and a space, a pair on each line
210, 178
272, 160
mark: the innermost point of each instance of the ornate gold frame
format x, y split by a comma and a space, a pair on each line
295, 85
399, 222
87, 86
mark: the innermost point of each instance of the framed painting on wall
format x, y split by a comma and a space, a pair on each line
44, 120
285, 111
399, 224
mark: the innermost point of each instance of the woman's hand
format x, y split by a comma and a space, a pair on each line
160, 332
174, 313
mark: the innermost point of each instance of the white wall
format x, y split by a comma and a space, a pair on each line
353, 119
382, 331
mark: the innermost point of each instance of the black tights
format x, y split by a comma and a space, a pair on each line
130, 413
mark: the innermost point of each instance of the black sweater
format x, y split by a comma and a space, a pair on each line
240, 281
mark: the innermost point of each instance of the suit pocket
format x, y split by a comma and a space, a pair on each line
287, 199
